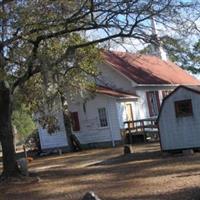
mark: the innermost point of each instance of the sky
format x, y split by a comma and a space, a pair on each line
134, 45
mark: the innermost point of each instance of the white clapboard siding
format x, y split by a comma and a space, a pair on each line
121, 109
181, 132
113, 78
54, 140
90, 130
141, 107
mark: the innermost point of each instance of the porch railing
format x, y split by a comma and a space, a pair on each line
144, 127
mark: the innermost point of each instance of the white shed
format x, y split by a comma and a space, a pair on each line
179, 119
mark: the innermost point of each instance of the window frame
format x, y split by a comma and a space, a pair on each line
177, 109
106, 117
75, 121
156, 96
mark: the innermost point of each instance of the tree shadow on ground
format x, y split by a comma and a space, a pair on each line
138, 165
111, 175
192, 193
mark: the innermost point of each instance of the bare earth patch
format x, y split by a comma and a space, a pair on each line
145, 175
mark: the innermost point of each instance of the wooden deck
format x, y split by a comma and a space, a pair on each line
147, 128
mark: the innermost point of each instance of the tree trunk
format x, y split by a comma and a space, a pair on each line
67, 122
6, 133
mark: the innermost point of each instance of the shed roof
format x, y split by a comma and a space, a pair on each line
148, 69
194, 88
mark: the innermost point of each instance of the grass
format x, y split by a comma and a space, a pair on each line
146, 174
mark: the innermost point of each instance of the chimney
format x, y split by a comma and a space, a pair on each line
157, 48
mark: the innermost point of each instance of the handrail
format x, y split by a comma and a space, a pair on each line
142, 123
140, 127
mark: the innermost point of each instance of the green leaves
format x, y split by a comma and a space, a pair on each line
23, 121
48, 49
185, 55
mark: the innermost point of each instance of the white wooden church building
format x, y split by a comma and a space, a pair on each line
130, 87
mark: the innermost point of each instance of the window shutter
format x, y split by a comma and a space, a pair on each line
153, 96
149, 103
75, 121
158, 99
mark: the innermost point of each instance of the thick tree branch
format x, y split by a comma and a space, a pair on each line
30, 71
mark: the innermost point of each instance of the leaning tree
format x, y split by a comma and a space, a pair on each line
40, 36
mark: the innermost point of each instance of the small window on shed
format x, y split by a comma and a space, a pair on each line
183, 108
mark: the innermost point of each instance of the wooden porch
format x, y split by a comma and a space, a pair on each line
147, 129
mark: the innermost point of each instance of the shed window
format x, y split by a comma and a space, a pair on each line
102, 117
183, 108
75, 121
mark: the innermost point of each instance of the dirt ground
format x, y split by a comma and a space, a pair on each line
146, 174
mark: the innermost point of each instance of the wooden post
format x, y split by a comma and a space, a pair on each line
130, 135
25, 152
143, 130
128, 149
